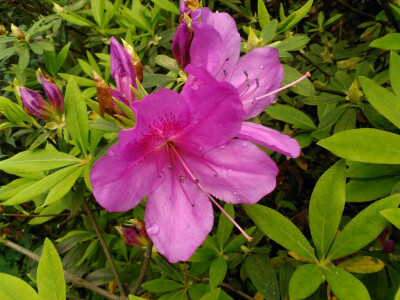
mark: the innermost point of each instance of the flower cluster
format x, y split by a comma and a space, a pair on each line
192, 146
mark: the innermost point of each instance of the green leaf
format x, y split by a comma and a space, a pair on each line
23, 60
50, 274
392, 215
362, 190
225, 226
345, 286
168, 63
217, 271
161, 285
13, 288
61, 57
286, 234
263, 15
365, 145
238, 241
269, 31
390, 41
295, 17
292, 116
63, 187
326, 207
304, 88
98, 10
362, 264
13, 112
55, 208
262, 275
151, 80
166, 5
7, 52
32, 161
76, 115
363, 228
305, 281
332, 117
394, 72
40, 186
363, 170
213, 295
382, 100
292, 43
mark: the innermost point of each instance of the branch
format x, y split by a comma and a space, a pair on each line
68, 276
325, 90
104, 246
303, 54
145, 266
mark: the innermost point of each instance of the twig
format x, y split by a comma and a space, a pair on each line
104, 246
145, 266
325, 90
222, 284
35, 216
390, 15
360, 12
68, 276
303, 55
71, 217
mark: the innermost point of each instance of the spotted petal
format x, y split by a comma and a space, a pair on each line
175, 226
256, 74
269, 138
238, 172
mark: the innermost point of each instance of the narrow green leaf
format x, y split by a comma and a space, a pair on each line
296, 17
286, 234
217, 271
32, 161
262, 275
23, 60
76, 115
292, 43
50, 274
166, 5
40, 186
365, 145
98, 10
326, 207
55, 208
238, 241
225, 226
13, 288
363, 228
345, 286
292, 116
263, 15
305, 281
61, 57
382, 100
392, 215
362, 190
391, 41
161, 285
394, 72
332, 117
269, 31
151, 80
63, 187
168, 63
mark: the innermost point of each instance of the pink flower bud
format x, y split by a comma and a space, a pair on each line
34, 103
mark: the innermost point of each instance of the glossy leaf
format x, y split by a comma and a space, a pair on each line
225, 226
362, 190
392, 215
13, 288
161, 285
394, 71
217, 271
390, 41
292, 116
305, 281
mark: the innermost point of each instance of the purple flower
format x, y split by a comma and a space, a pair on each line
179, 153
123, 72
53, 93
136, 234
34, 103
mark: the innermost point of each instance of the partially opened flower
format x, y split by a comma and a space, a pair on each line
53, 93
33, 103
181, 152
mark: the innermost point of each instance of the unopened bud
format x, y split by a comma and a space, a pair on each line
192, 4
33, 103
19, 34
135, 234
52, 91
104, 97
3, 30
58, 8
137, 64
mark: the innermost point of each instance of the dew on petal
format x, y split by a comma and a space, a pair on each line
229, 170
222, 146
261, 67
244, 144
153, 229
111, 153
234, 193
170, 167
201, 148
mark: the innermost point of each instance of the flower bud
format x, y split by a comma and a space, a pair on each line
58, 8
19, 34
137, 64
34, 103
3, 31
122, 70
135, 235
53, 93
181, 44
104, 97
187, 6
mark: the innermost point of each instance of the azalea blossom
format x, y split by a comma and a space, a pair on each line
181, 151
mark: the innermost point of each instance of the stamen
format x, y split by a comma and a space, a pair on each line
222, 68
197, 182
203, 162
308, 74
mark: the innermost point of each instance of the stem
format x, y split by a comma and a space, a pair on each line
302, 53
325, 90
145, 266
104, 246
68, 276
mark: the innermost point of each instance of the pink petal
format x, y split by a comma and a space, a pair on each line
33, 102
175, 226
119, 185
197, 78
238, 172
269, 138
164, 112
54, 94
225, 25
181, 45
264, 74
216, 113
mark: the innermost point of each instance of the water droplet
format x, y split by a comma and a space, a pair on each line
196, 180
202, 136
234, 193
201, 148
244, 144
111, 153
229, 170
223, 146
153, 229
261, 67
215, 174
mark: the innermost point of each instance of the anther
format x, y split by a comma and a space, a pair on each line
257, 82
196, 180
215, 174
227, 59
181, 178
170, 167
225, 72
248, 82
245, 73
160, 175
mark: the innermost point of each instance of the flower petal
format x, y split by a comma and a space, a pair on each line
238, 172
181, 44
216, 113
269, 138
119, 185
33, 102
225, 25
159, 117
257, 73
175, 226
54, 94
